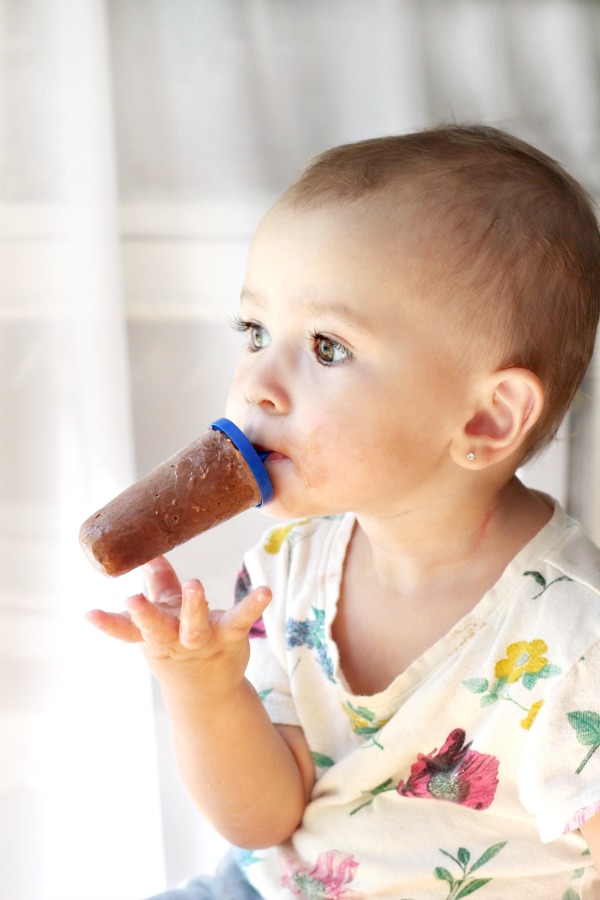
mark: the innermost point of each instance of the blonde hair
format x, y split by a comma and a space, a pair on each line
519, 235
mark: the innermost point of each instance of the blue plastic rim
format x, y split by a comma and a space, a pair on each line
239, 440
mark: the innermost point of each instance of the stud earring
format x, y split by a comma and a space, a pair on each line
470, 456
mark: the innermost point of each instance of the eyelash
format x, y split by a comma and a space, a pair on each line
244, 326
241, 325
315, 337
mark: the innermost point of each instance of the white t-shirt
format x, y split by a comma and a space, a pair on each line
471, 772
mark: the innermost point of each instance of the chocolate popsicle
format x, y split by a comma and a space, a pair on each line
211, 480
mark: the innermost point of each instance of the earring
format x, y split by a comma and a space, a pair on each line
470, 456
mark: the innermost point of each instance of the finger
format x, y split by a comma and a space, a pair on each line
194, 627
115, 625
162, 583
157, 627
239, 619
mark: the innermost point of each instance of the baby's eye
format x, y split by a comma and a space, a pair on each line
258, 336
329, 352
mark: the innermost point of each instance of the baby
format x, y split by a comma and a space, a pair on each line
404, 700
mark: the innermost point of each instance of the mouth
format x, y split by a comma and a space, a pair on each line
260, 449
272, 456
268, 455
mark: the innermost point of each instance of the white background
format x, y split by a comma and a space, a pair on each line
140, 142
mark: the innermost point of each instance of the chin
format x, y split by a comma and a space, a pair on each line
295, 508
276, 510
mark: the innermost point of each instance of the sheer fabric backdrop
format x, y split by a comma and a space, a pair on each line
140, 142
79, 804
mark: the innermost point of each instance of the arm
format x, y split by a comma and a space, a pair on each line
591, 835
250, 778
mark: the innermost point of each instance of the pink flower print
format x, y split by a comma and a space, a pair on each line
581, 817
243, 586
258, 630
456, 774
326, 880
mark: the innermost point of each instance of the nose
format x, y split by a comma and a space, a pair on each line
263, 384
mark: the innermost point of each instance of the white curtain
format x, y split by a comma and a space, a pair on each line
79, 802
140, 141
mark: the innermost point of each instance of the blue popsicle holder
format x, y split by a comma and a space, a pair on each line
252, 457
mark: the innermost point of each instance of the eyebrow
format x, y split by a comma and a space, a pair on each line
336, 308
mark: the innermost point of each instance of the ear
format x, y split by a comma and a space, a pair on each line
507, 405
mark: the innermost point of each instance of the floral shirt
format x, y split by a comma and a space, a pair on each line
472, 771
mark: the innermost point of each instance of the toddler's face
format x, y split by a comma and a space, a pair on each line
348, 374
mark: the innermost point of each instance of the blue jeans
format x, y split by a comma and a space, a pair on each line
227, 884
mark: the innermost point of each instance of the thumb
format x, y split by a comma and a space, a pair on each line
244, 617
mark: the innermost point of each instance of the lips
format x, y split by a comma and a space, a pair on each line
274, 456
266, 454
262, 451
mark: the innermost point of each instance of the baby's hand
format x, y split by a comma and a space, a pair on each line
174, 625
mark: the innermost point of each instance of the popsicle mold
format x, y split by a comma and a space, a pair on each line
214, 478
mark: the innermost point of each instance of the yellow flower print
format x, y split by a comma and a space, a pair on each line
278, 536
524, 665
522, 658
362, 720
529, 719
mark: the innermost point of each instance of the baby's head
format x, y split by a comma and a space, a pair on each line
506, 241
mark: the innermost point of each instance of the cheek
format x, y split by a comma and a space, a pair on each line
315, 468
234, 402
328, 451
231, 409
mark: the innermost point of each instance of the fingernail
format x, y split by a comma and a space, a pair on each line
154, 565
192, 587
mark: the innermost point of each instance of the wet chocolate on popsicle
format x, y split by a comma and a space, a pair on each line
208, 482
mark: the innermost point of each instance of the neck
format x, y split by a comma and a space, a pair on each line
433, 548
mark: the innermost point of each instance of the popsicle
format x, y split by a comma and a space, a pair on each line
211, 480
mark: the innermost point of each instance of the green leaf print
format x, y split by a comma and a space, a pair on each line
530, 679
490, 693
387, 785
537, 576
579, 873
465, 885
463, 856
363, 721
586, 725
587, 728
570, 894
322, 761
539, 579
265, 693
471, 887
247, 858
477, 685
487, 855
443, 875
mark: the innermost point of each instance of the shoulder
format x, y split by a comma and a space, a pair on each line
561, 557
544, 611
567, 581
303, 542
302, 563
574, 554
298, 550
